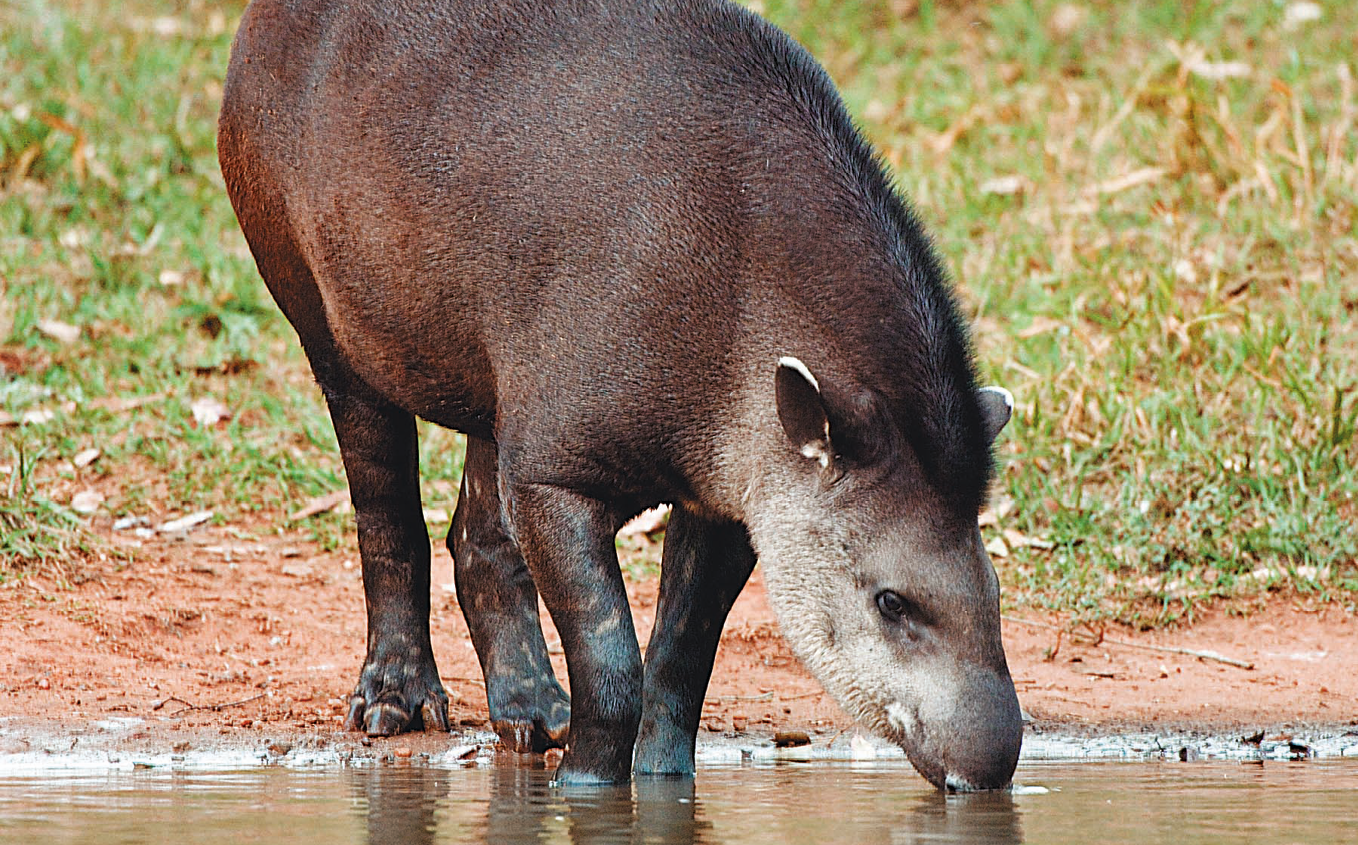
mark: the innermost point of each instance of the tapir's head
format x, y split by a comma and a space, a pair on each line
880, 580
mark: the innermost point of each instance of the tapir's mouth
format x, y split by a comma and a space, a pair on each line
928, 753
902, 726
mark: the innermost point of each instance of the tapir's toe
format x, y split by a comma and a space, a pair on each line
380, 706
534, 735
530, 715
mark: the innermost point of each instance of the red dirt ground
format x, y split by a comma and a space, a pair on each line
275, 630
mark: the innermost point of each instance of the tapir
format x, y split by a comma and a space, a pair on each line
638, 253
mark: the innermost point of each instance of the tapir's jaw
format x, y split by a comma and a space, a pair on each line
961, 730
969, 744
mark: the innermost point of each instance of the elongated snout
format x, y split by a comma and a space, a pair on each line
968, 738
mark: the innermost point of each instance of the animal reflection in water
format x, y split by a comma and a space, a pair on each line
512, 802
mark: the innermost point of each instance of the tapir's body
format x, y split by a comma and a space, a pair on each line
637, 252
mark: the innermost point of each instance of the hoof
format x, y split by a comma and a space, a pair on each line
383, 706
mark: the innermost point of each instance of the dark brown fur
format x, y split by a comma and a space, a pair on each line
580, 232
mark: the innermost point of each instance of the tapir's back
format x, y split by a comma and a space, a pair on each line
478, 186
605, 217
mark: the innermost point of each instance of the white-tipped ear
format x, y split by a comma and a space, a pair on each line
997, 405
796, 364
802, 412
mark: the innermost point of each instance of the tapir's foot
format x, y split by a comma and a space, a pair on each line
533, 720
664, 748
396, 695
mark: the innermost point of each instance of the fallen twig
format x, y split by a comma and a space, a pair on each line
1164, 649
763, 696
188, 705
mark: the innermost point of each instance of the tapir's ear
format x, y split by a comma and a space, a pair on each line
801, 410
997, 404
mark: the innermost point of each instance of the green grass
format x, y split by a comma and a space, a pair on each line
1163, 267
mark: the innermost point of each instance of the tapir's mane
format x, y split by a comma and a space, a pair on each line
929, 378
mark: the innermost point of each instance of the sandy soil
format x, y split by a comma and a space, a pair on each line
208, 631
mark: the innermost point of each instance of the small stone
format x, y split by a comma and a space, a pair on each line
552, 757
739, 722
791, 739
861, 748
279, 748
43, 683
403, 752
87, 501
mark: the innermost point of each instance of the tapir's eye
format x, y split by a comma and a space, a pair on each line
892, 605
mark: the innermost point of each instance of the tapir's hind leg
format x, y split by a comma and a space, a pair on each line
528, 708
399, 685
704, 567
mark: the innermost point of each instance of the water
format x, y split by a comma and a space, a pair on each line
786, 804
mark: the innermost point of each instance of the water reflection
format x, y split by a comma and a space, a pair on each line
986, 818
400, 804
1136, 803
523, 808
512, 803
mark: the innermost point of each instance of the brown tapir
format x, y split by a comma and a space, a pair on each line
637, 252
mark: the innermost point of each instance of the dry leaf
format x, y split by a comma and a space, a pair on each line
116, 404
997, 548
170, 278
184, 523
319, 504
59, 331
1067, 18
208, 411
1004, 185
647, 522
85, 457
37, 416
73, 238
1040, 325
1299, 13
1220, 70
1125, 181
435, 516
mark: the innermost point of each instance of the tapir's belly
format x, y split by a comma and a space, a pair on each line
412, 339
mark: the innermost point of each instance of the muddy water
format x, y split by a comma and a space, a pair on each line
786, 804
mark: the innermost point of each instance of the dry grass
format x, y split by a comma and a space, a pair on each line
1149, 207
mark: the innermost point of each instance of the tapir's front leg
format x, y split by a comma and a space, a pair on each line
705, 566
567, 541
399, 686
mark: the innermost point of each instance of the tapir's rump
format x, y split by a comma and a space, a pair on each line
587, 234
